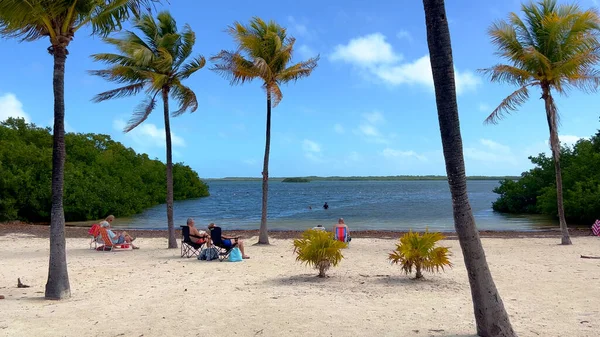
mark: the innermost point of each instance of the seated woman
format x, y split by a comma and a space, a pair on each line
197, 236
229, 241
341, 231
115, 238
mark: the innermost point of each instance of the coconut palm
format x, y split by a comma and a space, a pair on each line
553, 48
490, 316
59, 20
155, 63
264, 51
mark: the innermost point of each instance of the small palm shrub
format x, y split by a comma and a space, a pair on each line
319, 249
420, 251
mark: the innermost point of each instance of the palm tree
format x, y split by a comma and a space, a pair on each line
59, 20
553, 48
154, 63
490, 316
264, 51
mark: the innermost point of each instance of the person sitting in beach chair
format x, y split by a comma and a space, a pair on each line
193, 240
341, 232
226, 243
319, 228
94, 232
112, 239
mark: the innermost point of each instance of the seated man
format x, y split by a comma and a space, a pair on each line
229, 241
197, 236
319, 228
120, 238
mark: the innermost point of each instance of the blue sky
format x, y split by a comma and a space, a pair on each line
367, 109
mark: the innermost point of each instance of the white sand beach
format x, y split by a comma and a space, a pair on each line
548, 291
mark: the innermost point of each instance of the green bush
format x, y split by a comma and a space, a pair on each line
420, 252
319, 249
101, 176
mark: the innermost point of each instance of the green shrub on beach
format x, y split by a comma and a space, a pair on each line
101, 176
420, 252
319, 249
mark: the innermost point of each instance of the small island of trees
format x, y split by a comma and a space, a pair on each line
296, 180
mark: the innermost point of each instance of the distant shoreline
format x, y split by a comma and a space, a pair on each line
363, 178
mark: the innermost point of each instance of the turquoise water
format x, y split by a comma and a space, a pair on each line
365, 205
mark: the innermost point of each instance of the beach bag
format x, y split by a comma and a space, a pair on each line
209, 254
235, 255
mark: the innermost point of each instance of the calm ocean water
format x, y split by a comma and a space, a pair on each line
383, 205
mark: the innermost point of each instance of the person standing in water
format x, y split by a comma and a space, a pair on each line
325, 206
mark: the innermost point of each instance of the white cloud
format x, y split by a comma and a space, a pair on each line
392, 153
310, 146
298, 28
373, 55
10, 106
369, 130
568, 140
374, 117
338, 128
490, 152
147, 134
306, 52
484, 108
367, 51
404, 34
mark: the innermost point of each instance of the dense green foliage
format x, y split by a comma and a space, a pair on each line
535, 191
101, 176
295, 180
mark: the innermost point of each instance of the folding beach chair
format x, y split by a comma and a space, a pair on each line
596, 228
190, 248
341, 234
108, 244
94, 232
217, 240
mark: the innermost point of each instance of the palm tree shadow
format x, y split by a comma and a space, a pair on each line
297, 279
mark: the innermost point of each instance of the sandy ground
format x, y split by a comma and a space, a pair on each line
548, 291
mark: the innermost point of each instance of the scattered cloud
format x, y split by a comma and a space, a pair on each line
368, 50
10, 106
298, 29
306, 52
374, 117
373, 55
148, 134
368, 129
310, 146
483, 107
568, 140
338, 128
404, 35
312, 150
392, 153
490, 152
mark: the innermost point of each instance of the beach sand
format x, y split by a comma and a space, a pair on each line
547, 289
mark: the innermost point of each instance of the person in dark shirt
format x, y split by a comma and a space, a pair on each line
325, 206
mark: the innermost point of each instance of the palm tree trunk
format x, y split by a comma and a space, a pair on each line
172, 239
57, 286
555, 146
490, 316
263, 237
419, 274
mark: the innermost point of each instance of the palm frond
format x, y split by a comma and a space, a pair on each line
188, 39
109, 16
121, 74
129, 90
185, 97
141, 113
298, 70
510, 103
233, 67
190, 68
504, 73
29, 20
275, 93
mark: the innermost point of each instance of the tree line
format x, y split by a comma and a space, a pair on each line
535, 191
102, 176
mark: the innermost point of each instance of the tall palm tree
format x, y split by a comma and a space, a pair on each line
264, 51
553, 48
490, 316
59, 20
154, 63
